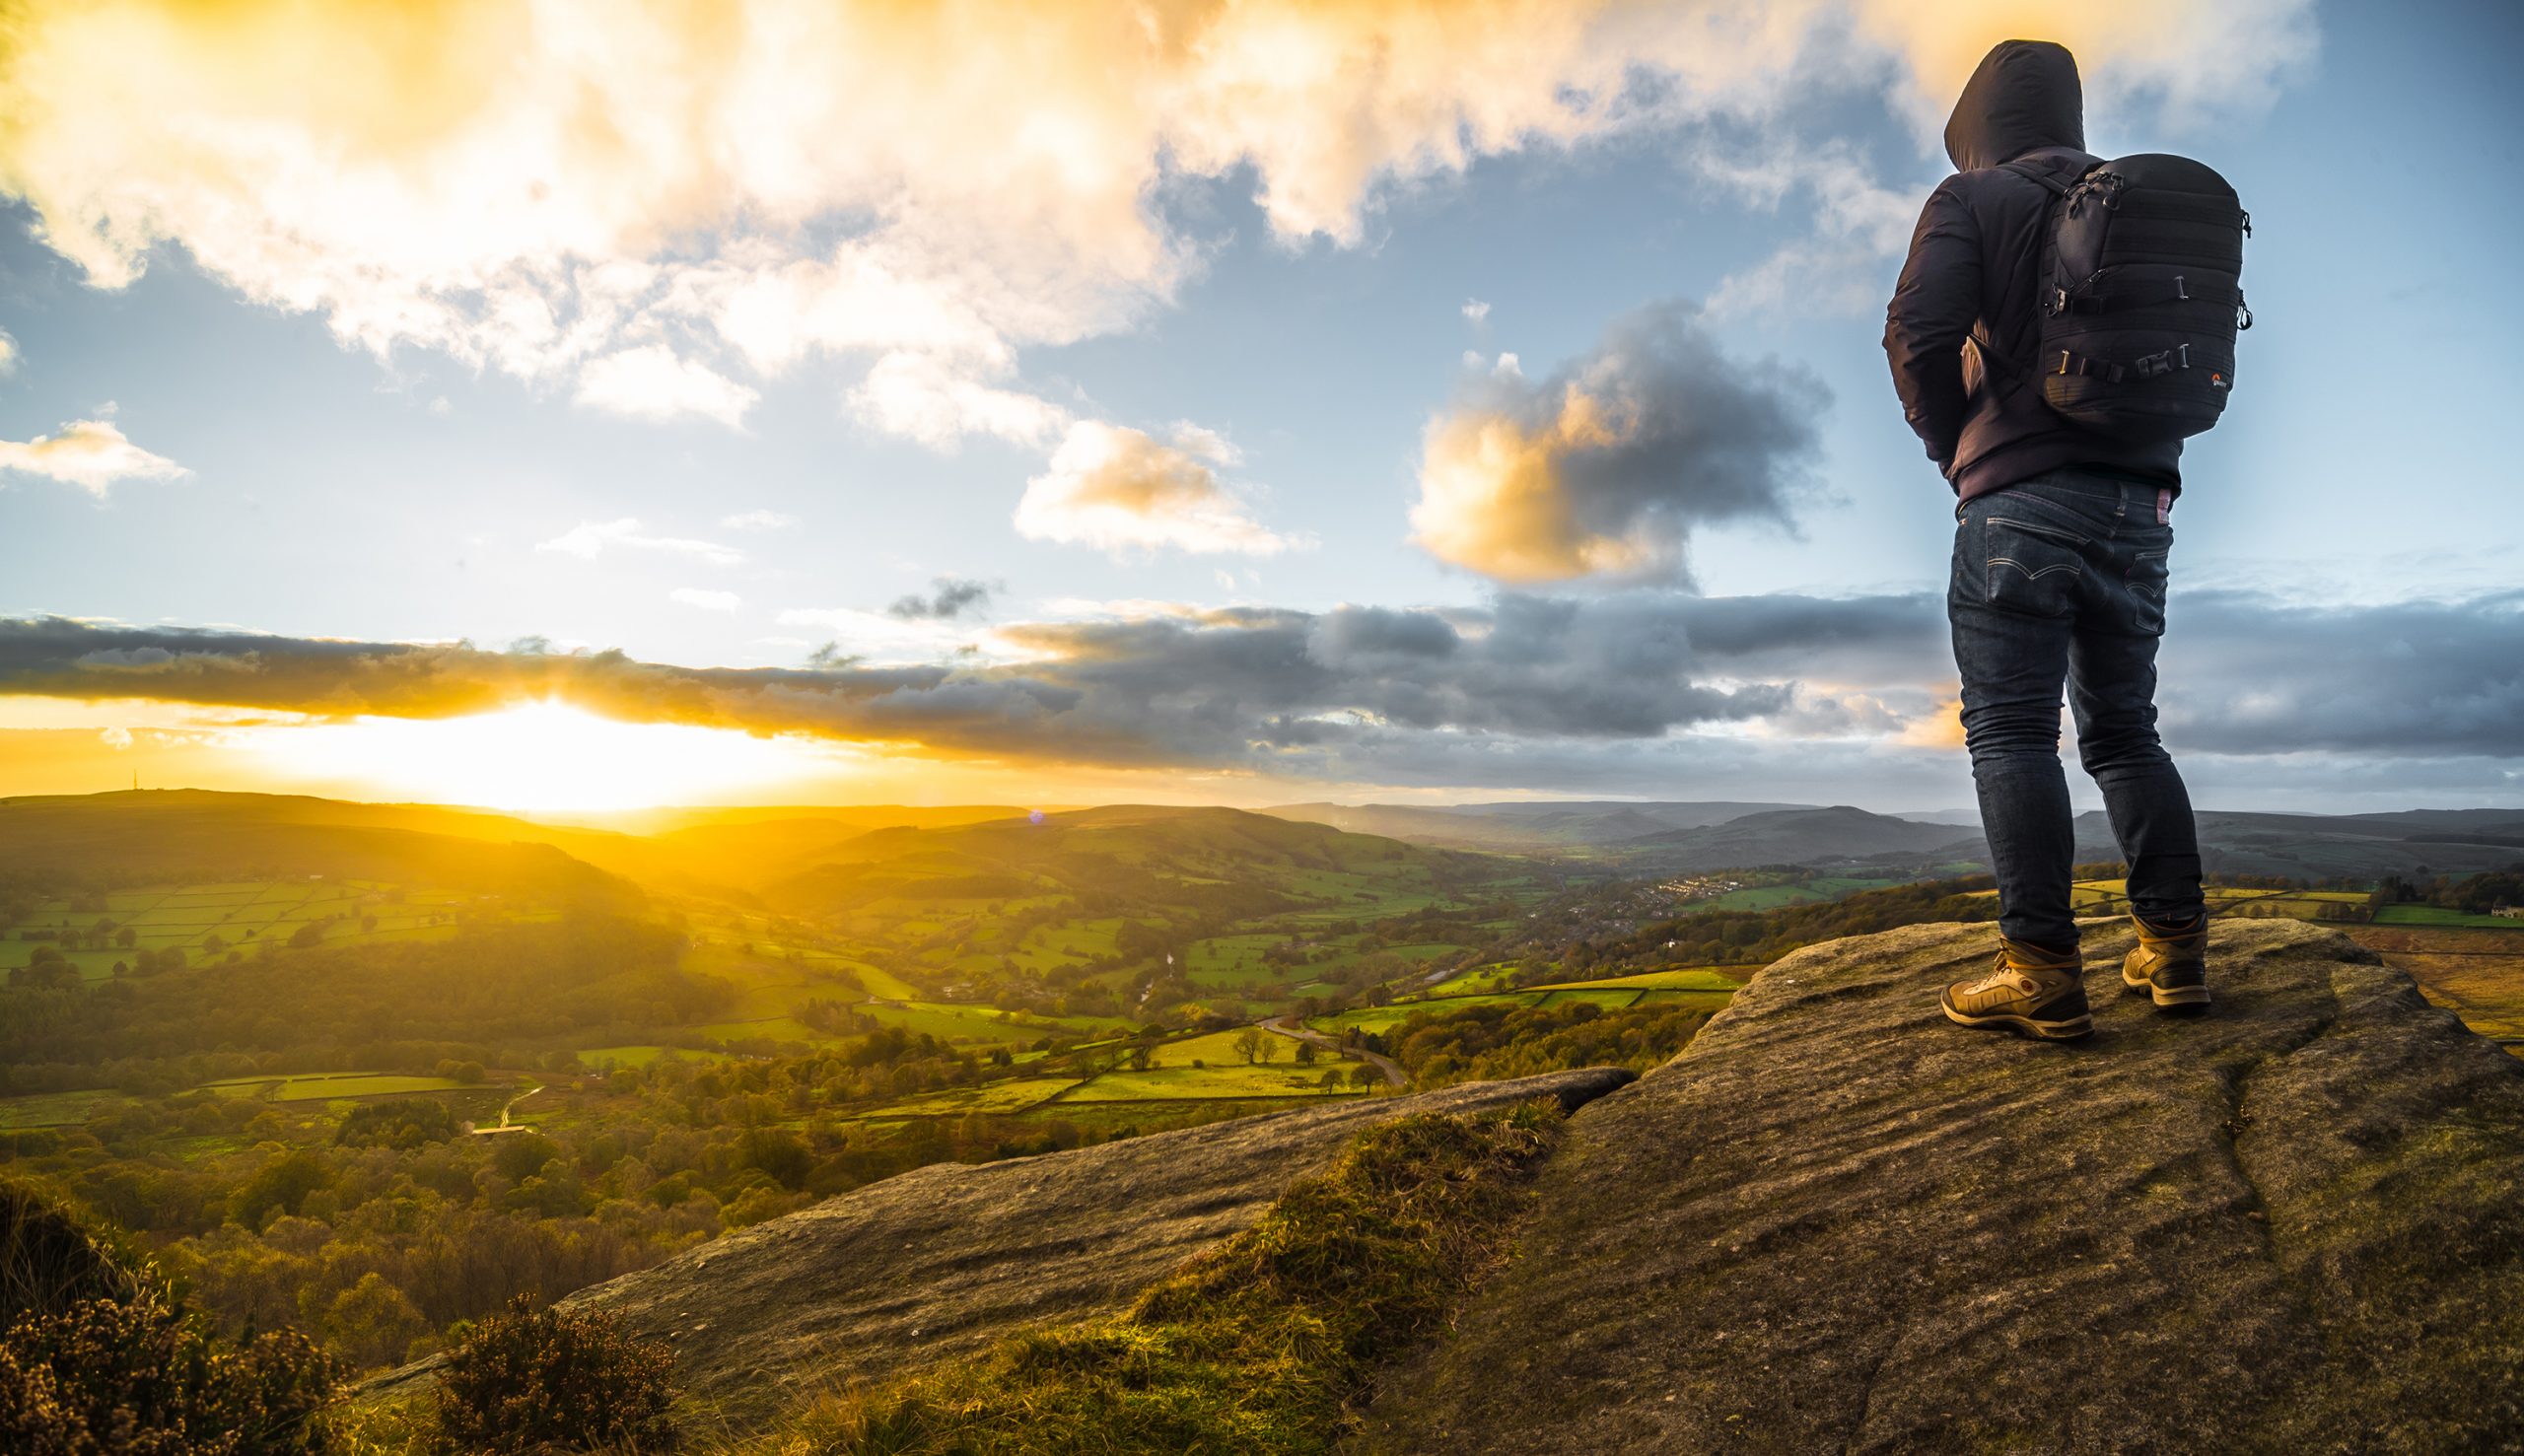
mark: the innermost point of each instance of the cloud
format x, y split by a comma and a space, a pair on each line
650, 383
953, 598
1475, 309
1119, 489
545, 187
1648, 690
1861, 226
930, 400
10, 355
1604, 468
90, 453
893, 638
707, 600
757, 520
2418, 678
589, 538
2190, 61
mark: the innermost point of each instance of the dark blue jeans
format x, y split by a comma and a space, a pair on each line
2062, 579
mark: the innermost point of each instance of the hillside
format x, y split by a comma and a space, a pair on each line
1124, 855
2413, 844
1834, 1223
1527, 827
174, 835
1823, 836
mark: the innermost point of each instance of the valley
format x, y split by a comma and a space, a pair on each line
368, 1070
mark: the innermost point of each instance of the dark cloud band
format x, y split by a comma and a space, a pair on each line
1382, 694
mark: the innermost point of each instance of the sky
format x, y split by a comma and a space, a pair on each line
574, 405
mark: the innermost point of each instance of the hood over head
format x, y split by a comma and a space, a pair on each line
2024, 97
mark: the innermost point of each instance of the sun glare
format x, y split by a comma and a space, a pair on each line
547, 756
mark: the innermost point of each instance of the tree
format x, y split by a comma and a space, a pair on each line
1248, 1044
374, 1322
47, 970
283, 1183
1306, 1054
1269, 1049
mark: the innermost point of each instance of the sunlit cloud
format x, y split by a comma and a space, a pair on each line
650, 383
1475, 309
1603, 470
9, 355
1119, 489
932, 400
550, 187
592, 538
89, 454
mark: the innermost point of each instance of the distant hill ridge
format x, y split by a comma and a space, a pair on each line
194, 834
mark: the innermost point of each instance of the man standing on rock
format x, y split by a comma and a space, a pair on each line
2059, 569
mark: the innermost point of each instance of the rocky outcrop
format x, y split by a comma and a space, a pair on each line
1837, 1223
938, 1261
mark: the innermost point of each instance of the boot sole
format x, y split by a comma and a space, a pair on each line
2065, 1030
2167, 995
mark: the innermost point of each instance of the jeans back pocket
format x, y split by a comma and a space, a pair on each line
2031, 566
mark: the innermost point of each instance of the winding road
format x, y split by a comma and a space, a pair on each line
1290, 1027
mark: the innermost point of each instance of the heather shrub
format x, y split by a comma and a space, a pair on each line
529, 1380
97, 1358
141, 1377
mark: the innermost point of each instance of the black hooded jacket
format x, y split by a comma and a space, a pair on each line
1973, 261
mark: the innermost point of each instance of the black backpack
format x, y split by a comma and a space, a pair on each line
2141, 278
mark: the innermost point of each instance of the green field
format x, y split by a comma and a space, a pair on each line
1280, 1078
2438, 915
624, 1056
1685, 978
243, 915
1610, 995
50, 1110
323, 1086
1471, 983
1011, 1095
1230, 960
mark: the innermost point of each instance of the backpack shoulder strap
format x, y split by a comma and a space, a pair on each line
2050, 180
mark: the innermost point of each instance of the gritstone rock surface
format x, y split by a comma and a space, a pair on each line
1836, 1223
938, 1261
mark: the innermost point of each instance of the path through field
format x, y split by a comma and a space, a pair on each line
1288, 1026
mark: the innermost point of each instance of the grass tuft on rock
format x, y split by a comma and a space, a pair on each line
1269, 1343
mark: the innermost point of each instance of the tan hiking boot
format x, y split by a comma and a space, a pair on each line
2032, 990
2172, 962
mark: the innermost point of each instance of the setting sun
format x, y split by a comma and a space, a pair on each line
547, 756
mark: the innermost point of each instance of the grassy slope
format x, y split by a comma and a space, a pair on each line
1267, 1341
192, 836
